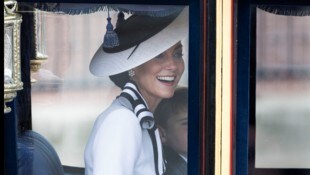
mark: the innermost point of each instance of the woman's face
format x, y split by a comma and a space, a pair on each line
158, 78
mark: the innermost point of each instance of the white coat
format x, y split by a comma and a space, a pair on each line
119, 146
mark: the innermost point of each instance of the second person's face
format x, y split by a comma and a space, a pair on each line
158, 78
176, 133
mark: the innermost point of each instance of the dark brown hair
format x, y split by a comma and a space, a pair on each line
120, 79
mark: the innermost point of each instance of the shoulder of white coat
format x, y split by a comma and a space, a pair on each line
118, 122
118, 114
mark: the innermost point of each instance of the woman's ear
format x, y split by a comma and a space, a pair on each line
163, 134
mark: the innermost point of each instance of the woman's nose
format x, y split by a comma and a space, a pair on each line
171, 62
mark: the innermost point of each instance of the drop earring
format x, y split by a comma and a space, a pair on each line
131, 73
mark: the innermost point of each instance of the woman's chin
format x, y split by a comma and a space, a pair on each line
168, 94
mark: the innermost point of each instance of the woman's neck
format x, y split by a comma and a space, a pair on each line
151, 101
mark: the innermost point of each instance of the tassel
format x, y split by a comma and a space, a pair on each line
110, 38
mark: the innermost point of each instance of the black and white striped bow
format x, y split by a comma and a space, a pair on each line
139, 106
135, 100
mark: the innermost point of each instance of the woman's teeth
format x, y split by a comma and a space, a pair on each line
166, 78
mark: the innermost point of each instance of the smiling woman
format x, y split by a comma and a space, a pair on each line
124, 139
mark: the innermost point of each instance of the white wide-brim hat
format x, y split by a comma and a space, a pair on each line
111, 61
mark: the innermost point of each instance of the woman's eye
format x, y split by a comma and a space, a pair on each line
178, 55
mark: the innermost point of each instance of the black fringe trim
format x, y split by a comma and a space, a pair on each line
286, 10
78, 8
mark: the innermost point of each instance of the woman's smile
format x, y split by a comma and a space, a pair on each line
167, 80
158, 78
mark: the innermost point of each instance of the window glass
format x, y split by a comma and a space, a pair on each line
282, 91
66, 97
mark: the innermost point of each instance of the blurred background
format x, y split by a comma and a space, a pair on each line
282, 91
66, 97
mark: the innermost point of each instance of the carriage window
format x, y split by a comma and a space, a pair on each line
282, 91
66, 97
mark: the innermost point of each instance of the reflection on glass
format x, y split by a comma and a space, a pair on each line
8, 54
40, 34
66, 98
282, 91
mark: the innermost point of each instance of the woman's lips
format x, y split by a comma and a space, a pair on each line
168, 80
